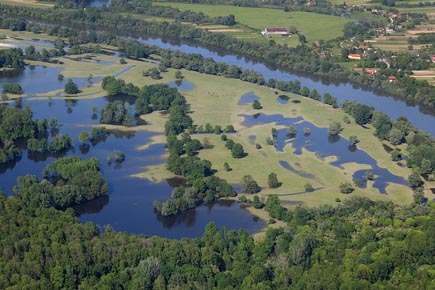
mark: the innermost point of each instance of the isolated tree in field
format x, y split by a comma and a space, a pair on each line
353, 140
178, 75
71, 88
237, 151
272, 181
346, 188
249, 185
256, 105
308, 187
227, 167
335, 128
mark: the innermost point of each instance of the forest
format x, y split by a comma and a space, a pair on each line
359, 244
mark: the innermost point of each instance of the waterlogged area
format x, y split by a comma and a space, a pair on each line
390, 106
320, 142
129, 206
32, 78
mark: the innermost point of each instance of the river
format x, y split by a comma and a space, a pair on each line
389, 105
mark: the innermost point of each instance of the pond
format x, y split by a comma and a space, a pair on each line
247, 99
182, 85
324, 145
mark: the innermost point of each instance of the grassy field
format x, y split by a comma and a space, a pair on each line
313, 26
214, 100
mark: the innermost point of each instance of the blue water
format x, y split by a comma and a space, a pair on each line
182, 85
247, 98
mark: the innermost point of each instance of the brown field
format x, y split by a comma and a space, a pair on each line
428, 75
29, 3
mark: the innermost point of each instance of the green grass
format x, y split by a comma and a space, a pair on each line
214, 100
313, 26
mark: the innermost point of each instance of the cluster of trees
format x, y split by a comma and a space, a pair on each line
115, 87
16, 124
58, 144
12, 58
12, 88
117, 113
201, 185
145, 8
71, 88
217, 129
67, 181
237, 150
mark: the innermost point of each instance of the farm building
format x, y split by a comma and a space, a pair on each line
275, 31
355, 56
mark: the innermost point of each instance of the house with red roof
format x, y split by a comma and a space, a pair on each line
354, 56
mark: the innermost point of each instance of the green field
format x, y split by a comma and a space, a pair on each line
313, 26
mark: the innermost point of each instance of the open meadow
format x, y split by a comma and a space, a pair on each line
251, 21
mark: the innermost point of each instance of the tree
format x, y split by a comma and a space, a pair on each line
249, 185
418, 196
12, 88
396, 155
308, 187
346, 188
71, 88
178, 75
353, 140
256, 105
227, 167
272, 181
237, 151
257, 203
396, 136
335, 128
415, 180
84, 137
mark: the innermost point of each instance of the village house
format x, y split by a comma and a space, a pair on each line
354, 56
432, 57
392, 79
370, 71
275, 31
